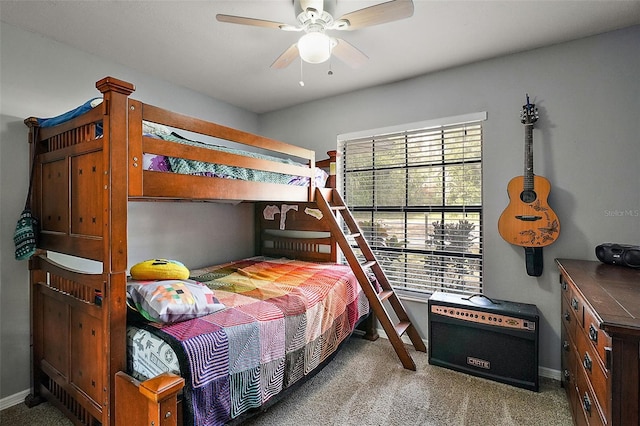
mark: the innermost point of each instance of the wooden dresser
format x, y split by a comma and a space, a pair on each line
601, 342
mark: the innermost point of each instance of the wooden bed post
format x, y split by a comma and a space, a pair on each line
35, 275
152, 402
115, 153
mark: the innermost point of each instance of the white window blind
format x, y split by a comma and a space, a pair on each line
417, 196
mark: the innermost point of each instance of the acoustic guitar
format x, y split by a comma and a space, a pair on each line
528, 221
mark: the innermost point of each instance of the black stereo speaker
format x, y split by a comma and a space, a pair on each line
619, 254
489, 338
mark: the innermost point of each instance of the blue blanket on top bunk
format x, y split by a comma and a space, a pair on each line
78, 111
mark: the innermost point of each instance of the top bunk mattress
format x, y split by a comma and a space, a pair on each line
163, 163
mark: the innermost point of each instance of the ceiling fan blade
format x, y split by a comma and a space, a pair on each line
349, 54
378, 14
286, 58
250, 21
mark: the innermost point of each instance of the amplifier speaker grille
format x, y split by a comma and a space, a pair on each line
483, 340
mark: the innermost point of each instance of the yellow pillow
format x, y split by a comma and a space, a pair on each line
159, 269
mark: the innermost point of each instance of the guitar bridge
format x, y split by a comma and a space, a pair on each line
528, 218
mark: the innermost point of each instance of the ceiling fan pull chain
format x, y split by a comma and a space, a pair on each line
301, 79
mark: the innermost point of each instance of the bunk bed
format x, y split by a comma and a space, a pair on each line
87, 168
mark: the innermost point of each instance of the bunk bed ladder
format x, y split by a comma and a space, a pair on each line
331, 206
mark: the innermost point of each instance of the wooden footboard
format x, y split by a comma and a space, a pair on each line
152, 402
69, 340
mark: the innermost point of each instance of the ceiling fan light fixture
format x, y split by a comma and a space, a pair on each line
315, 47
315, 17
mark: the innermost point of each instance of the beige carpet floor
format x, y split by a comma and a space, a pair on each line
366, 385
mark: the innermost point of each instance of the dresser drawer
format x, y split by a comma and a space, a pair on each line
574, 302
576, 305
587, 403
568, 376
566, 287
594, 369
569, 319
568, 360
600, 340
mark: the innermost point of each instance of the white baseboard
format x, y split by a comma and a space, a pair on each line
404, 337
542, 371
549, 373
14, 399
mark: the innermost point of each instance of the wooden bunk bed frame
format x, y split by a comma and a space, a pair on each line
82, 184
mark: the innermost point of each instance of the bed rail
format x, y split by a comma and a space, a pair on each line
159, 185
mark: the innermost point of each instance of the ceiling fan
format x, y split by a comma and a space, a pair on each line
315, 18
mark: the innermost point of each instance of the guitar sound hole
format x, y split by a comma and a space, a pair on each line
528, 196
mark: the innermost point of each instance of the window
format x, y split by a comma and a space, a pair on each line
416, 192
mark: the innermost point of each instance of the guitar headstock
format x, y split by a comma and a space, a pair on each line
529, 114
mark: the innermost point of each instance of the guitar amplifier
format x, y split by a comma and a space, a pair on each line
489, 338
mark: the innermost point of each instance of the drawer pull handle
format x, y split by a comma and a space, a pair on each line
567, 376
586, 403
587, 362
567, 317
593, 333
574, 303
564, 284
565, 346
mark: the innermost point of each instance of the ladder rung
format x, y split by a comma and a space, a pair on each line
355, 235
385, 294
337, 208
401, 327
368, 264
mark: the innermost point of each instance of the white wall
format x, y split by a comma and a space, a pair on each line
586, 143
40, 77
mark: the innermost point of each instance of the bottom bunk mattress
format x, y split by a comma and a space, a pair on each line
281, 320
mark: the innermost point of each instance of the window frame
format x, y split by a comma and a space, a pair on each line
444, 124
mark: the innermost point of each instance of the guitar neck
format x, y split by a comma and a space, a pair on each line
528, 157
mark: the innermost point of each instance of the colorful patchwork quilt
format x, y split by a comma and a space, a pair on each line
282, 318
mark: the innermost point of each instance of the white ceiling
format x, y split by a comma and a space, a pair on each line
181, 41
